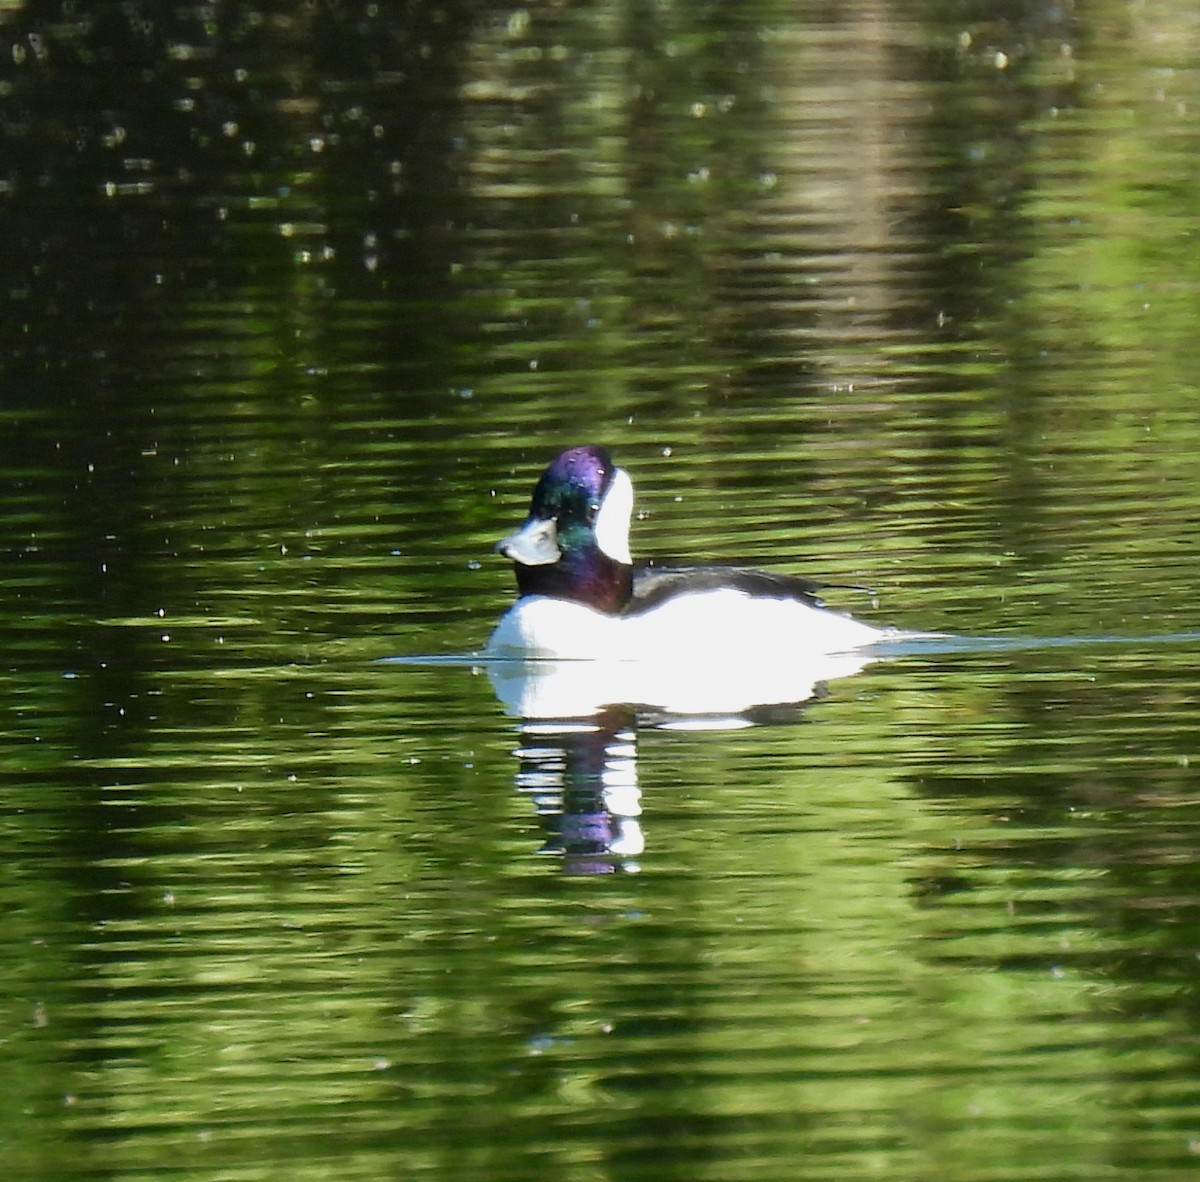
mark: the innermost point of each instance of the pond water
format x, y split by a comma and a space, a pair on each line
299, 299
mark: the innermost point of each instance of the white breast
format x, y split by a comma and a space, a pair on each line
537, 626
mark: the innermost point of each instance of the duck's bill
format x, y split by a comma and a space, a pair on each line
534, 544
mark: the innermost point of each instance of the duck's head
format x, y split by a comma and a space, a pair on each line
575, 542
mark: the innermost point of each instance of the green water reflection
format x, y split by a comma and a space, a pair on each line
939, 927
298, 300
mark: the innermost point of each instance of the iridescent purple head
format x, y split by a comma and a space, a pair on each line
575, 542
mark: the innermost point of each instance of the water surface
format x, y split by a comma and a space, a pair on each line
297, 303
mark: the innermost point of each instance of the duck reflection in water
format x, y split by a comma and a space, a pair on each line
578, 759
582, 779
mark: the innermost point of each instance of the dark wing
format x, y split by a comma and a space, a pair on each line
654, 585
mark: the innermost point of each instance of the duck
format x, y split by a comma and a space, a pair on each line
580, 596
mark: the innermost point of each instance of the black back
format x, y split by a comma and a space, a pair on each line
654, 585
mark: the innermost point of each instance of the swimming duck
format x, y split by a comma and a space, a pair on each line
581, 597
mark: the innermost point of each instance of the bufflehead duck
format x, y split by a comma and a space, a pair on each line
580, 596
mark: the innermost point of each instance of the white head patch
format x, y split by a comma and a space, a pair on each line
612, 522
